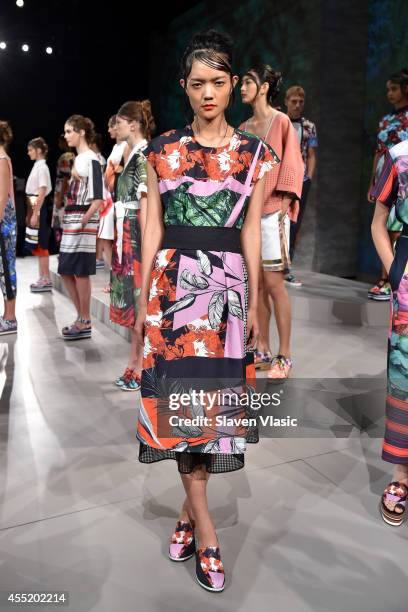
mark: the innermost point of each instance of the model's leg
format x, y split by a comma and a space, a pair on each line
70, 284
99, 248
401, 474
136, 354
264, 317
44, 267
9, 310
107, 250
83, 285
195, 485
274, 283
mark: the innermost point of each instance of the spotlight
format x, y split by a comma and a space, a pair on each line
25, 48
20, 3
49, 50
3, 45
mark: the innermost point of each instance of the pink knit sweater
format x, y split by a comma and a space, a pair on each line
288, 175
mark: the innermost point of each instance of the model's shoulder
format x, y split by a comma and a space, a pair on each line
399, 150
169, 136
243, 135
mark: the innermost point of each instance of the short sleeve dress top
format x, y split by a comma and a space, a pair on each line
195, 331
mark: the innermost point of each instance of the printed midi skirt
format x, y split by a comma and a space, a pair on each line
195, 348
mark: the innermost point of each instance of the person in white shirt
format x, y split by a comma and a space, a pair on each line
39, 217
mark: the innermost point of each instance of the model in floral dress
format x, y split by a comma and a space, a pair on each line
391, 191
392, 129
200, 261
134, 123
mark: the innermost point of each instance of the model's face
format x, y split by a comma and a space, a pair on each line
249, 90
112, 131
124, 128
32, 153
295, 105
208, 90
394, 93
71, 136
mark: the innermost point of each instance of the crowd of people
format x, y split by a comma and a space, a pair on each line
198, 226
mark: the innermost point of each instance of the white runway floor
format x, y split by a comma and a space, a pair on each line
299, 527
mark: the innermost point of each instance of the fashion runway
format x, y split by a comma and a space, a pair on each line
80, 514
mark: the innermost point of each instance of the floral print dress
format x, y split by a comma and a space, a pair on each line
392, 190
392, 129
126, 251
195, 330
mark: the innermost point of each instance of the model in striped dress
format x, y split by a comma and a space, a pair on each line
80, 226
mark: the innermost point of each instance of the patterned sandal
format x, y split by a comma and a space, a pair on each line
78, 333
182, 543
393, 502
262, 361
209, 569
131, 381
121, 379
68, 327
280, 368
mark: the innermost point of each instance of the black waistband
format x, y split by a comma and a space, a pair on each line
202, 238
77, 208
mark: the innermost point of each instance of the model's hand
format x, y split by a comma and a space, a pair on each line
286, 202
85, 219
370, 198
252, 327
140, 323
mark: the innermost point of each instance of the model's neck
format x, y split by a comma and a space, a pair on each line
401, 104
82, 147
210, 129
262, 110
2, 150
133, 140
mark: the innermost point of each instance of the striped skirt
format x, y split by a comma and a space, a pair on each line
395, 446
78, 244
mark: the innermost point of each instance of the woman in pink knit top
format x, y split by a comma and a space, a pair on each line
283, 188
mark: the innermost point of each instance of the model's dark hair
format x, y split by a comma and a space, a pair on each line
39, 143
400, 78
263, 73
211, 48
98, 141
6, 133
79, 122
140, 111
112, 121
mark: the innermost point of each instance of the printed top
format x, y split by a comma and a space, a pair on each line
63, 174
393, 128
132, 182
307, 136
207, 186
86, 182
392, 186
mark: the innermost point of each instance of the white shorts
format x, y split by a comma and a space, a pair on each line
275, 231
107, 224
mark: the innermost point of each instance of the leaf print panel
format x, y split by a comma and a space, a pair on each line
192, 282
184, 302
204, 263
234, 304
216, 308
